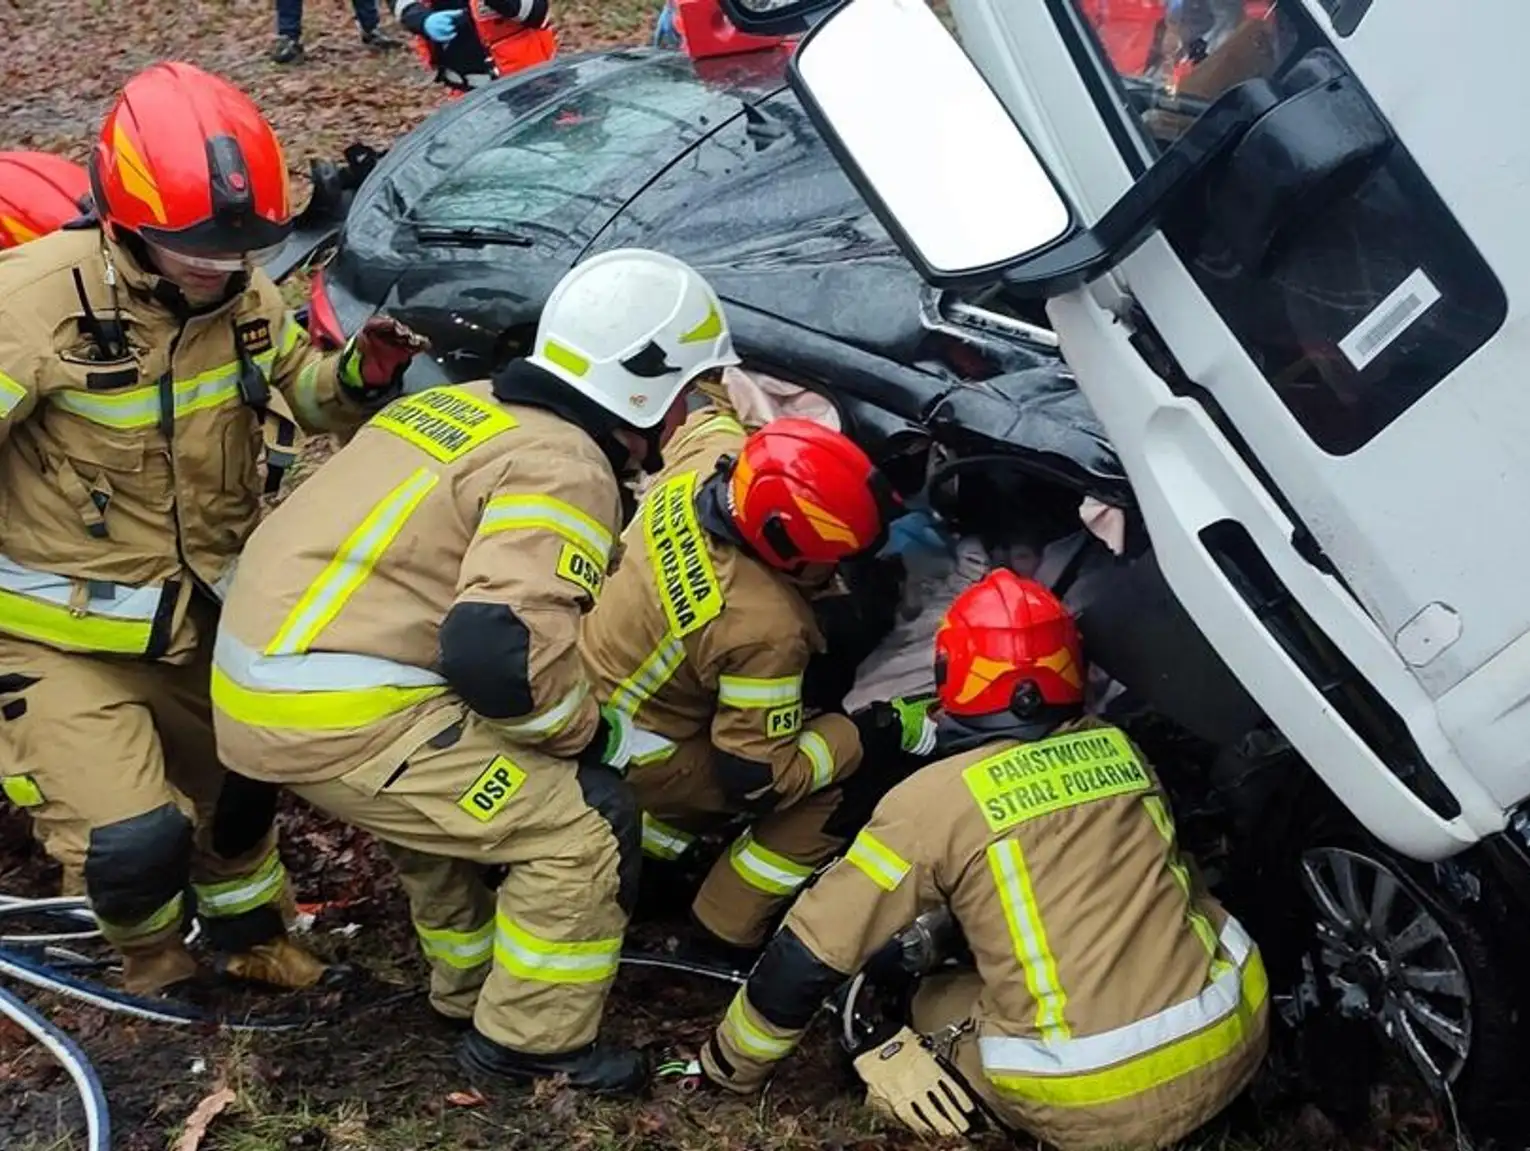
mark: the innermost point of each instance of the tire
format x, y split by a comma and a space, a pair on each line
1425, 967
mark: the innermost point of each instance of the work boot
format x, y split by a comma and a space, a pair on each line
151, 972
279, 962
594, 1068
286, 50
377, 41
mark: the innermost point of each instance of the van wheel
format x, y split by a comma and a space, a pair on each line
1426, 972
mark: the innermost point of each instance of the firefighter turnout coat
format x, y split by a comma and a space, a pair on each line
704, 647
400, 648
1114, 1002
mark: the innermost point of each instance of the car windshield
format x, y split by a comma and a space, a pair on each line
587, 148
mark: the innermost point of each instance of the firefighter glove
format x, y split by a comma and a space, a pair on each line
611, 746
905, 1080
373, 362
442, 27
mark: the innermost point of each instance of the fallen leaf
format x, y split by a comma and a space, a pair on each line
471, 1098
206, 1111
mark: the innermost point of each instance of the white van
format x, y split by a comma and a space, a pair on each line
1284, 246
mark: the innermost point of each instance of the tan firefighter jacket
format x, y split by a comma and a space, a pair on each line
127, 477
695, 640
444, 556
1120, 1002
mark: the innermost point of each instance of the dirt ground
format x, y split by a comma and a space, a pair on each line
372, 1070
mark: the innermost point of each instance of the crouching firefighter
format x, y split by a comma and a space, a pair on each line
1110, 1001
400, 650
700, 644
468, 43
138, 353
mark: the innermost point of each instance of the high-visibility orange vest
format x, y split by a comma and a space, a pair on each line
510, 45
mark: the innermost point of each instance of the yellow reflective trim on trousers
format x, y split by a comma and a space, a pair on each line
816, 748
662, 841
140, 407
766, 870
231, 897
351, 565
1013, 880
880, 863
652, 674
748, 693
544, 513
1199, 924
463, 950
749, 1038
1154, 1069
11, 395
168, 915
530, 957
314, 710
52, 624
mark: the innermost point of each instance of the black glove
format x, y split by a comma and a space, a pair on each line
880, 727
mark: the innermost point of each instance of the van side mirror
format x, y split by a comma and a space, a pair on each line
928, 144
951, 176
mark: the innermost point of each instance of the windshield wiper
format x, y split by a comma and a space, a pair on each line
471, 235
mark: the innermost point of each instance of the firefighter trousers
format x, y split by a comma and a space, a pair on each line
114, 760
766, 865
533, 962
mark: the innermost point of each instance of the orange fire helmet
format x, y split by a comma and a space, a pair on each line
39, 193
1007, 644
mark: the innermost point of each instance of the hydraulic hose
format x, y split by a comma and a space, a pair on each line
98, 1125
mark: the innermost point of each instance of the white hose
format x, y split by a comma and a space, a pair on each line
68, 1053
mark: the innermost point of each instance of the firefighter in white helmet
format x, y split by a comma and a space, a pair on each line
399, 649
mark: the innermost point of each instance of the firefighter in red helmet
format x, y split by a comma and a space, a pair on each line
140, 352
1106, 998
700, 641
39, 193
470, 42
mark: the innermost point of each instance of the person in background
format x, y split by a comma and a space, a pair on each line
471, 42
39, 193
288, 48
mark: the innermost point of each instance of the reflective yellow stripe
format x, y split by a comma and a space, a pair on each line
749, 1037
291, 331
314, 710
11, 395
351, 565
746, 692
528, 956
1199, 924
167, 916
39, 605
1029, 937
305, 397
22, 790
652, 674
881, 864
240, 896
549, 721
1100, 1069
463, 950
719, 423
816, 748
140, 407
662, 841
765, 870
543, 513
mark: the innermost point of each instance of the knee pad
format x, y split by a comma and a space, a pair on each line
245, 811
133, 867
789, 983
612, 797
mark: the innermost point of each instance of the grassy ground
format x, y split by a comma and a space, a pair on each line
375, 1072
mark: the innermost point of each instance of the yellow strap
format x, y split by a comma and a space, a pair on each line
352, 563
1028, 935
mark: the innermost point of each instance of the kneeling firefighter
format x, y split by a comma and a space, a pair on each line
468, 43
701, 642
1111, 1000
39, 193
409, 665
139, 353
